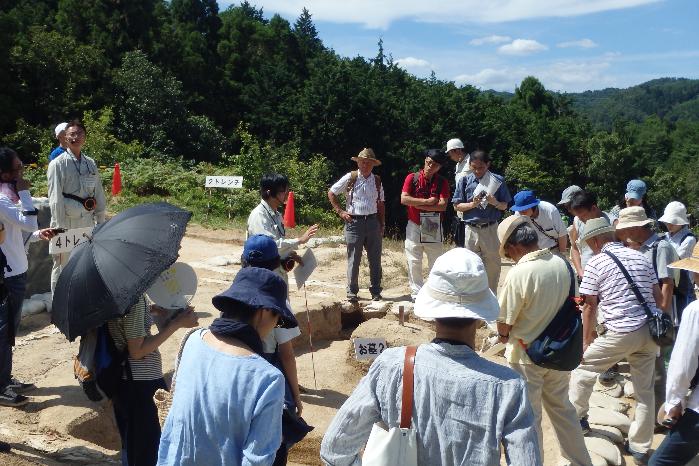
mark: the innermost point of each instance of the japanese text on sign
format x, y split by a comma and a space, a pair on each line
224, 182
68, 240
368, 348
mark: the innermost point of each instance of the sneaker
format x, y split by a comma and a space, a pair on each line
376, 297
20, 387
352, 298
4, 447
609, 376
11, 399
584, 425
640, 459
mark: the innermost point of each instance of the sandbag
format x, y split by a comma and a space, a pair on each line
32, 306
611, 433
605, 449
614, 390
597, 460
629, 390
607, 417
602, 400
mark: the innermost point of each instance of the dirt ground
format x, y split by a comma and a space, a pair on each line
60, 426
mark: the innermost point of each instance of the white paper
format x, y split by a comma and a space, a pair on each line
301, 273
66, 241
488, 184
224, 182
368, 348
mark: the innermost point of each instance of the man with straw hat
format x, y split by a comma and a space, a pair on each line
464, 406
623, 333
681, 410
364, 217
533, 293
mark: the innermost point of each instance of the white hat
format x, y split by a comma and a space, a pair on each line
675, 214
60, 127
457, 287
454, 144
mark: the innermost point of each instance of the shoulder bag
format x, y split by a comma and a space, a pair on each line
659, 323
398, 445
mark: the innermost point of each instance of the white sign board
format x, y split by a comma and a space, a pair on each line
301, 273
367, 349
66, 241
224, 182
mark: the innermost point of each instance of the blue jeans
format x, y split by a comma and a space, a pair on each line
681, 444
137, 420
10, 316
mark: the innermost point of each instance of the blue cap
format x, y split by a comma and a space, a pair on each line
636, 189
260, 249
260, 289
524, 200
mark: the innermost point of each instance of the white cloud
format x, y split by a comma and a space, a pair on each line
412, 62
488, 78
582, 43
522, 47
490, 40
380, 15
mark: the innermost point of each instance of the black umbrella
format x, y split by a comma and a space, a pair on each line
107, 275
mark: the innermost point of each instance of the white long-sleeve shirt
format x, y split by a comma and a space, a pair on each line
263, 220
13, 218
67, 174
684, 362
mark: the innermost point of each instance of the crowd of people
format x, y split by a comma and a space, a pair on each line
238, 399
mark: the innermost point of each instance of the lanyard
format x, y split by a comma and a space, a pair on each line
280, 226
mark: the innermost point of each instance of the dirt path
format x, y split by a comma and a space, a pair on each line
61, 426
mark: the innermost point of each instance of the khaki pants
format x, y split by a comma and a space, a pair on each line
639, 349
550, 388
484, 242
413, 253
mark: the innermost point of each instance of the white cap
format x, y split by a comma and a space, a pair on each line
454, 144
60, 127
457, 287
675, 214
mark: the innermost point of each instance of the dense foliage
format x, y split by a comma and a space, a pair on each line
178, 90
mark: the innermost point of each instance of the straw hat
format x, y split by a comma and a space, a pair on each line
632, 217
457, 287
506, 228
675, 214
367, 154
691, 263
595, 227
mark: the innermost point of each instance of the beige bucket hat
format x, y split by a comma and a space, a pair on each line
506, 228
632, 217
367, 154
595, 227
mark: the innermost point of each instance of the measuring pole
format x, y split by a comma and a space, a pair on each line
310, 337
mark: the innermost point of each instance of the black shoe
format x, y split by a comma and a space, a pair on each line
352, 298
376, 297
584, 425
20, 387
11, 399
640, 459
4, 447
609, 376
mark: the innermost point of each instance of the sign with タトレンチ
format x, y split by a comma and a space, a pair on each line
366, 349
69, 239
224, 182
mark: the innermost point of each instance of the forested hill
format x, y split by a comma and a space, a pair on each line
176, 90
671, 99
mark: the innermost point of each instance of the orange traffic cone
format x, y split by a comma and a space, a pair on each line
116, 180
289, 215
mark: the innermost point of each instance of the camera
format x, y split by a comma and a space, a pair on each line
288, 264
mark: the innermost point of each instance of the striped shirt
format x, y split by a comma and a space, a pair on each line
136, 324
364, 195
620, 309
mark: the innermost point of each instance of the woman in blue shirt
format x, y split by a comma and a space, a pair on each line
227, 406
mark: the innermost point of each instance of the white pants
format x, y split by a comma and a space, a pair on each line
550, 388
639, 349
413, 253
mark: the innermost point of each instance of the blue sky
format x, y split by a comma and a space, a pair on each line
570, 45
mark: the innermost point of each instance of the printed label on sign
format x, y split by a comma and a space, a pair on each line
224, 182
366, 349
66, 242
90, 182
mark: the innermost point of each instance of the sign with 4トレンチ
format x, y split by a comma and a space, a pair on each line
224, 182
69, 239
366, 349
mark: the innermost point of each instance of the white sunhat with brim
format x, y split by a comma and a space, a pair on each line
454, 144
457, 287
675, 214
595, 227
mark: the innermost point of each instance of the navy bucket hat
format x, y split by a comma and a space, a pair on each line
259, 289
524, 200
